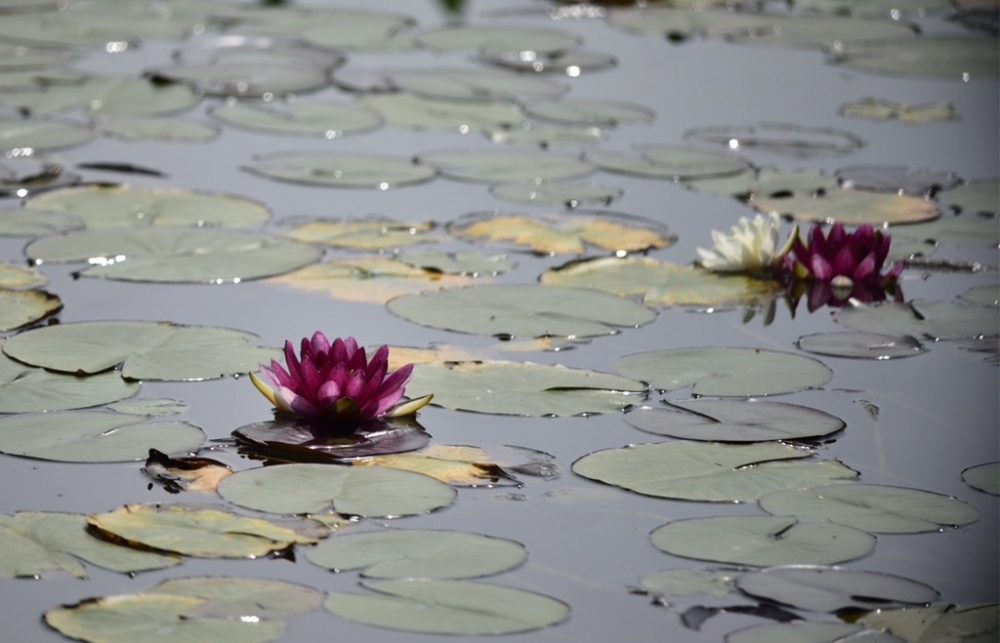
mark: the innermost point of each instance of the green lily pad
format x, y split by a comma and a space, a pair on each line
930, 319
24, 389
145, 350
502, 166
22, 307
317, 488
236, 598
874, 109
337, 27
475, 84
28, 137
735, 421
985, 477
828, 32
572, 63
514, 388
761, 541
158, 129
670, 162
982, 295
172, 254
545, 135
568, 195
90, 436
603, 113
660, 283
691, 582
780, 139
744, 372
232, 76
150, 408
767, 183
861, 345
511, 39
102, 206
521, 310
146, 617
106, 96
680, 24
16, 57
974, 197
341, 169
419, 553
824, 589
459, 263
32, 223
968, 231
565, 234
948, 57
329, 120
875, 508
448, 607
364, 234
204, 531
852, 207
873, 8
808, 632
709, 471
16, 278
421, 113
945, 623
34, 542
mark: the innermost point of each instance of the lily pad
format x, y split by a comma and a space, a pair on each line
875, 109
35, 542
875, 508
985, 477
364, 234
944, 622
29, 137
521, 310
103, 206
735, 421
825, 589
572, 63
565, 234
475, 84
248, 78
457, 465
965, 231
448, 607
90, 436
17, 278
301, 441
138, 617
341, 169
670, 162
808, 632
780, 139
691, 582
761, 541
235, 598
852, 207
591, 112
930, 319
419, 553
660, 283
204, 531
150, 408
861, 345
171, 254
743, 372
982, 295
568, 195
329, 120
948, 57
468, 264
24, 389
318, 488
545, 135
22, 307
502, 166
106, 96
145, 350
158, 129
514, 388
766, 183
421, 113
709, 471
974, 197
898, 179
499, 38
31, 223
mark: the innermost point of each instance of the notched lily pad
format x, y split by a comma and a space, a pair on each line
545, 135
861, 345
250, 77
341, 169
974, 197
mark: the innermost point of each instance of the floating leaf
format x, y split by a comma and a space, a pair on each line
744, 372
875, 109
461, 466
825, 589
982, 295
985, 477
691, 582
32, 223
204, 531
521, 310
16, 278
138, 617
545, 136
852, 207
709, 471
565, 234
950, 57
448, 607
735, 421
974, 197
808, 632
875, 508
329, 120
469, 264
419, 553
106, 96
766, 183
364, 234
340, 27
302, 441
236, 598
28, 138
762, 541
22, 307
233, 76
103, 206
475, 84
34, 542
146, 350
671, 162
780, 139
316, 488
502, 166
185, 474
511, 39
158, 129
604, 113
829, 32
944, 623
151, 408
421, 113
341, 169
968, 231
89, 436
861, 345
514, 388
898, 179
660, 283
930, 319
569, 195
171, 254
24, 389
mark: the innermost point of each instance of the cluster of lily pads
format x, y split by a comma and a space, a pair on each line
345, 446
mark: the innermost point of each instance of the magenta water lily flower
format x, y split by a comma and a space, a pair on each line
337, 382
842, 258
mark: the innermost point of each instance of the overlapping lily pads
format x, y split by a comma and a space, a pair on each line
502, 166
24, 389
341, 169
931, 319
22, 307
329, 120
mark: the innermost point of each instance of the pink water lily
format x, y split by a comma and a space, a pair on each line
842, 258
337, 382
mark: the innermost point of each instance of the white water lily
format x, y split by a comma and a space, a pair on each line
750, 246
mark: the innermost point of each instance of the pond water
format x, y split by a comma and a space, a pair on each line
915, 422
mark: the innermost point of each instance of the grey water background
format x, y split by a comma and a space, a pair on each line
587, 543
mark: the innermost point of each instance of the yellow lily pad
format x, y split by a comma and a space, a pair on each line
463, 466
